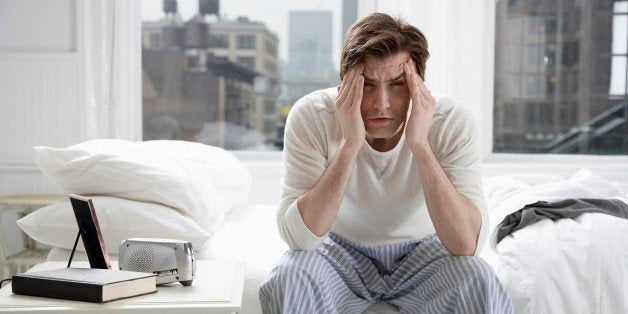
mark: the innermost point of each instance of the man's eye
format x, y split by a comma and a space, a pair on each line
368, 85
399, 84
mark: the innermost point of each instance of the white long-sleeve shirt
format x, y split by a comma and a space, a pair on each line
384, 201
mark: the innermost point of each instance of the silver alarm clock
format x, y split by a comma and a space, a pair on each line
170, 260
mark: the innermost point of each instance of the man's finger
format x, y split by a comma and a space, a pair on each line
343, 83
409, 80
345, 86
355, 88
357, 98
347, 83
413, 84
427, 94
355, 85
350, 77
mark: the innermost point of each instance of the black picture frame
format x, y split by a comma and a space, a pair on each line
89, 231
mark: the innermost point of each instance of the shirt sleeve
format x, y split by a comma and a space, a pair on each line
304, 161
456, 143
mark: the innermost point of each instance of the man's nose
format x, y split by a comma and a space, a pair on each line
382, 99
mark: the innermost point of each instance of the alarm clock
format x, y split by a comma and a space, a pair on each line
171, 260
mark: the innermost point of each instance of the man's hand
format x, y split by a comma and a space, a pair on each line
320, 205
422, 109
456, 219
348, 108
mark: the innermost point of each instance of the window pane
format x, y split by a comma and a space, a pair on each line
620, 34
618, 76
226, 79
218, 41
621, 6
569, 95
246, 42
247, 62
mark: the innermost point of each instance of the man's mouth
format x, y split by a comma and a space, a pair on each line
380, 121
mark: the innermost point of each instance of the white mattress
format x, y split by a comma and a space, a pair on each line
563, 266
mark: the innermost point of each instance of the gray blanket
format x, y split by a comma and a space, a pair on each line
567, 208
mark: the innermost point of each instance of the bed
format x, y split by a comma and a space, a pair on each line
563, 266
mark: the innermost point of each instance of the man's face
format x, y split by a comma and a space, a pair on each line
386, 96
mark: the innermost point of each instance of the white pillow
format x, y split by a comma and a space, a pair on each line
203, 181
118, 218
231, 179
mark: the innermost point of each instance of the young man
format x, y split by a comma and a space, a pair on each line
382, 196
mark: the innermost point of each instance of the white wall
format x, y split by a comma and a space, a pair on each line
37, 25
69, 71
40, 92
40, 87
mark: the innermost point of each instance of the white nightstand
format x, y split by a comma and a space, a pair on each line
23, 204
217, 288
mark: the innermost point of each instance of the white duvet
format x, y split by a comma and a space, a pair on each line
563, 266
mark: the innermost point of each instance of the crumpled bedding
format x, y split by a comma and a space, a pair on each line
566, 208
564, 266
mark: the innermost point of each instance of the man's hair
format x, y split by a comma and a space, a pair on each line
381, 35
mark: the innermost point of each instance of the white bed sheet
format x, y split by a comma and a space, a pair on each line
567, 266
563, 266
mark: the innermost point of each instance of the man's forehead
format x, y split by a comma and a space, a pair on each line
389, 66
383, 72
387, 61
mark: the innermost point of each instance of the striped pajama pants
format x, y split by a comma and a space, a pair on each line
416, 277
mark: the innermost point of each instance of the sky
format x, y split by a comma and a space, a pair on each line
273, 13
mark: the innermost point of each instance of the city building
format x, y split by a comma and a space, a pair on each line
252, 45
553, 65
310, 65
349, 16
209, 73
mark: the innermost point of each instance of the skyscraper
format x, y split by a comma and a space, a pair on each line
349, 16
310, 65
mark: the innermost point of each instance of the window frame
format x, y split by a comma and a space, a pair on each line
611, 167
246, 41
499, 163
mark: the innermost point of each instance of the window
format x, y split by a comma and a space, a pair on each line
248, 62
568, 59
218, 41
269, 126
572, 82
193, 62
270, 47
270, 67
227, 91
550, 85
269, 107
154, 41
246, 42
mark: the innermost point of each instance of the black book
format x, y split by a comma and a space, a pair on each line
84, 284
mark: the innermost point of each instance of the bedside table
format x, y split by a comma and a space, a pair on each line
217, 288
23, 204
